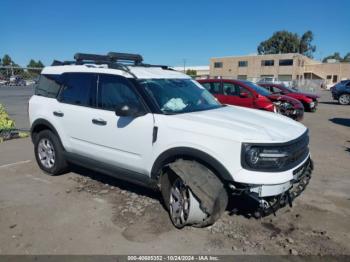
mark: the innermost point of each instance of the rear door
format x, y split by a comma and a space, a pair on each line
77, 103
237, 95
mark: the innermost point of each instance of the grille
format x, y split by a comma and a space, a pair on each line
297, 151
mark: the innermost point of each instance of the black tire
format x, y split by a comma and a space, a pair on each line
59, 165
169, 177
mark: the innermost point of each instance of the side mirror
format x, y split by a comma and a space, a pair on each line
126, 110
244, 95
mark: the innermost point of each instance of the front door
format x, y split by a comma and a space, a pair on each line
124, 141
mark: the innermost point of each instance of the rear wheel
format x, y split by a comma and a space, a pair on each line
49, 153
344, 99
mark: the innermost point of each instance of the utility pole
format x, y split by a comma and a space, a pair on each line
184, 65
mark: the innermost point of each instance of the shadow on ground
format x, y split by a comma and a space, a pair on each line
238, 205
341, 121
329, 103
124, 185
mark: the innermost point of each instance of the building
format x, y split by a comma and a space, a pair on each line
284, 67
202, 72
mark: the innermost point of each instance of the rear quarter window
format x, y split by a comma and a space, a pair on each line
48, 86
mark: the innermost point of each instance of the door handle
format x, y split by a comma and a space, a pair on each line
99, 122
58, 113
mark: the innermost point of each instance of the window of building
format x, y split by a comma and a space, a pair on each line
286, 62
267, 62
115, 91
285, 77
242, 63
329, 77
242, 77
79, 89
335, 78
217, 64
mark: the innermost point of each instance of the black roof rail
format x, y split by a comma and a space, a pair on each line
119, 57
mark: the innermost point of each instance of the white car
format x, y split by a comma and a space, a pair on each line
158, 127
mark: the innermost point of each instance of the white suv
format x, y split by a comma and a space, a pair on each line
157, 127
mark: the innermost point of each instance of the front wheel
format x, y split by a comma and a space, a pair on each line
344, 99
187, 208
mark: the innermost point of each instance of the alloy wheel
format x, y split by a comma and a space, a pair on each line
179, 203
344, 99
46, 153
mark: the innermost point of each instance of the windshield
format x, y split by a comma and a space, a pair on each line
260, 90
289, 89
175, 96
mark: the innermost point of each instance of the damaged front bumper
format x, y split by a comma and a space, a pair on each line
272, 197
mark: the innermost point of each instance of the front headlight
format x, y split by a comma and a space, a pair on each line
258, 157
274, 157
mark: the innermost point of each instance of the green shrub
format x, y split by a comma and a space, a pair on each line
5, 122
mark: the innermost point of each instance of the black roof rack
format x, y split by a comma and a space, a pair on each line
114, 60
119, 57
82, 58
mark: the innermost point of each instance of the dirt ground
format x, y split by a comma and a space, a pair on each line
87, 213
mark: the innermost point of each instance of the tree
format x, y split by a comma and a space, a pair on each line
335, 56
34, 64
338, 57
283, 42
305, 46
346, 58
191, 72
6, 60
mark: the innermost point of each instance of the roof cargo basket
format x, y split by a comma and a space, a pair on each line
124, 57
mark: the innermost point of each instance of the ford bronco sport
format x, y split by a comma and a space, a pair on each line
157, 127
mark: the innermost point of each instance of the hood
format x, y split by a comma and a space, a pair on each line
296, 103
238, 124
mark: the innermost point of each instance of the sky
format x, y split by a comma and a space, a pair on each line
165, 32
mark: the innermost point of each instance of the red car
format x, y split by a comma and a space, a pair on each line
247, 94
309, 100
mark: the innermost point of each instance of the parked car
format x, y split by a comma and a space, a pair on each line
159, 128
341, 92
248, 94
16, 81
310, 101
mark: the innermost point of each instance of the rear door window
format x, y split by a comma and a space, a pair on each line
79, 89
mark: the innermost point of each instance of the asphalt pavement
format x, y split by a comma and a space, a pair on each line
15, 99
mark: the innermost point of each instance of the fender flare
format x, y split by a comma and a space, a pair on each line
172, 154
40, 124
